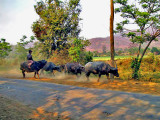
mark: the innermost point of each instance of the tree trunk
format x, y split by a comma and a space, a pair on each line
145, 50
137, 62
135, 66
112, 35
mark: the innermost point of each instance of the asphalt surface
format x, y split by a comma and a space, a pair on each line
81, 103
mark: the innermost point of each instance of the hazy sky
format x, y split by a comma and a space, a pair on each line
17, 16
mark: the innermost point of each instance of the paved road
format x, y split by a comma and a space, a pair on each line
82, 103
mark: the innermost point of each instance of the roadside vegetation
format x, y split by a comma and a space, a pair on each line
108, 58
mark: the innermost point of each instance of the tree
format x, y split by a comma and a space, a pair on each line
95, 54
77, 49
5, 48
155, 50
20, 49
104, 49
145, 15
132, 50
58, 21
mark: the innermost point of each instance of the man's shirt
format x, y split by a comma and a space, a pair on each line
29, 57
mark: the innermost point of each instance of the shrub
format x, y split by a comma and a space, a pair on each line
60, 58
86, 57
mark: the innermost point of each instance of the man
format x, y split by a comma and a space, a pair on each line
29, 59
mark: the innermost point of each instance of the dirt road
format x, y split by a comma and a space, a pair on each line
81, 103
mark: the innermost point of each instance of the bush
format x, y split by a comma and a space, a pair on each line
60, 58
86, 57
5, 48
150, 63
124, 69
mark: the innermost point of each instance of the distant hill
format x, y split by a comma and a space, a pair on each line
120, 42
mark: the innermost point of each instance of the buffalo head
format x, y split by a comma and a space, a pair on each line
58, 68
114, 71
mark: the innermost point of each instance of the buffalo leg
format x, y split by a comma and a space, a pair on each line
34, 74
65, 70
108, 77
99, 77
23, 72
41, 71
79, 75
87, 75
52, 72
76, 73
38, 75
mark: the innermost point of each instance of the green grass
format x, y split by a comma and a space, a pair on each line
108, 58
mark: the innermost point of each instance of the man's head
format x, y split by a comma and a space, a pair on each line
30, 51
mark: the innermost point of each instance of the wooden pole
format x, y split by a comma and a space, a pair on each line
112, 35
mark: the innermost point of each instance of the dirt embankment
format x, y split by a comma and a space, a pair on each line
12, 110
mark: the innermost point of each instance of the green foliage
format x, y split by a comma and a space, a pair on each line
60, 57
135, 65
77, 48
108, 58
132, 50
58, 22
150, 58
150, 61
95, 54
21, 52
144, 14
38, 52
74, 52
155, 50
86, 57
5, 48
104, 49
20, 49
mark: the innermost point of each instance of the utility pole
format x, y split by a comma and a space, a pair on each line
112, 35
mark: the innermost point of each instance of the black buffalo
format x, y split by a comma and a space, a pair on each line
74, 68
35, 67
50, 66
100, 68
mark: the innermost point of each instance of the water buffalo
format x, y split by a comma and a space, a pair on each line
74, 68
35, 67
100, 68
50, 66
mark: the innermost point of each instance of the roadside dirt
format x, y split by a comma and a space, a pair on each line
13, 110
